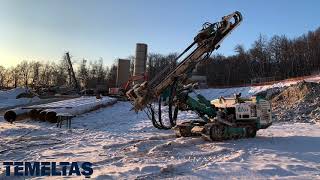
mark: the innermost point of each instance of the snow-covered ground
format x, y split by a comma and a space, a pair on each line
123, 144
9, 98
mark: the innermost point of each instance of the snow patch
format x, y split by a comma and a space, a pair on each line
9, 99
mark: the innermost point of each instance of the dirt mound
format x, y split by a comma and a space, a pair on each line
298, 103
270, 93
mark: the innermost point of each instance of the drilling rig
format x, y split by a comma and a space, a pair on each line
220, 119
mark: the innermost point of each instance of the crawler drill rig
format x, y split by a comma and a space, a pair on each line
219, 120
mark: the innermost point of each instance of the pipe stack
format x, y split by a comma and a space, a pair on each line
49, 112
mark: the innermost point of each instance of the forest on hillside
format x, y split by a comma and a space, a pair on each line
278, 57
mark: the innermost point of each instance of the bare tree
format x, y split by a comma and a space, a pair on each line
83, 73
2, 76
24, 70
35, 71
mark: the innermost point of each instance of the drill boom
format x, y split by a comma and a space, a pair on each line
207, 40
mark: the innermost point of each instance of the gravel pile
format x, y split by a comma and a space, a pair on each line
297, 103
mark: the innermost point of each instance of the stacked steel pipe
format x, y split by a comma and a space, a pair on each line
49, 112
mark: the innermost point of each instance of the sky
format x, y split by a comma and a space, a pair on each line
44, 30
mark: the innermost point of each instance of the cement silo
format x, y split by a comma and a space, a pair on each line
140, 61
123, 72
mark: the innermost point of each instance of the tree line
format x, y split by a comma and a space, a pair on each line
278, 57
36, 74
89, 74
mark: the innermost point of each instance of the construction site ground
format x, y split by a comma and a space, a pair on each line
124, 145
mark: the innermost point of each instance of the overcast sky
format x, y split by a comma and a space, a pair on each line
45, 29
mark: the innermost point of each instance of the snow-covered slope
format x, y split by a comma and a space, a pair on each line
123, 144
9, 98
213, 93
